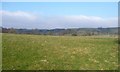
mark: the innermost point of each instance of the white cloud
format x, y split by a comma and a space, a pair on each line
20, 19
18, 14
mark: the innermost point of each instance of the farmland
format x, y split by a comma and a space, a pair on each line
39, 52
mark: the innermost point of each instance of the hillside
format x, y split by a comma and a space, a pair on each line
70, 31
38, 52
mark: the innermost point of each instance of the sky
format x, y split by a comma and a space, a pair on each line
60, 0
50, 15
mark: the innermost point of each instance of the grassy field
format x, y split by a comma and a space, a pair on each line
37, 52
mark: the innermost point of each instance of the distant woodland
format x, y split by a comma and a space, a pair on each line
63, 32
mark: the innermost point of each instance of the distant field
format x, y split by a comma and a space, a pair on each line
36, 52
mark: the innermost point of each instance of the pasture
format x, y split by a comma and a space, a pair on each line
39, 52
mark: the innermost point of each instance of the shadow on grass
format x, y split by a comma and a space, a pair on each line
118, 41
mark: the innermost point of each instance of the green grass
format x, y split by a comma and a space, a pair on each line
37, 52
0, 52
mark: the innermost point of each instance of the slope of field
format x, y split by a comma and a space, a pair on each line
0, 51
36, 52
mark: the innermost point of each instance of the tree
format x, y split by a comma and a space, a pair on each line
11, 30
35, 31
74, 34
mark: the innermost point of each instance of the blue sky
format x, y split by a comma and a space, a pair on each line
59, 10
103, 9
59, 0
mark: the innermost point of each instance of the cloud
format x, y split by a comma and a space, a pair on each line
18, 14
20, 19
17, 19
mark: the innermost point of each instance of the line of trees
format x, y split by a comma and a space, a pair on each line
72, 32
